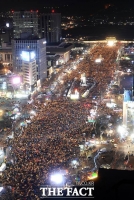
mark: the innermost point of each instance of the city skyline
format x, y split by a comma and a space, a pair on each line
80, 7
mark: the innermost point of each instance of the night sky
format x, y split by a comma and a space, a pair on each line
75, 6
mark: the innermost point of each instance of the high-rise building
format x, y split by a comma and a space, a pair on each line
127, 95
50, 27
25, 23
36, 45
29, 69
128, 113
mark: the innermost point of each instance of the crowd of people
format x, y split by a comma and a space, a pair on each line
51, 140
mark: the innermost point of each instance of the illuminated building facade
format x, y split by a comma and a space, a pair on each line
111, 41
128, 108
128, 113
6, 55
36, 45
29, 69
25, 22
63, 50
127, 95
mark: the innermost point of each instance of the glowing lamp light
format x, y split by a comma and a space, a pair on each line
7, 24
98, 60
128, 70
33, 112
74, 162
16, 80
97, 142
111, 131
121, 129
57, 178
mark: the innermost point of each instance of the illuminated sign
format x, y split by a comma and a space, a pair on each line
32, 55
27, 56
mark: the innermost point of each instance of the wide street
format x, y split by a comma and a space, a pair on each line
72, 126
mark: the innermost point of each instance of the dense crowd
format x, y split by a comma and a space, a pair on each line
51, 140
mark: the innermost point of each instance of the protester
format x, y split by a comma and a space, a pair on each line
52, 138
